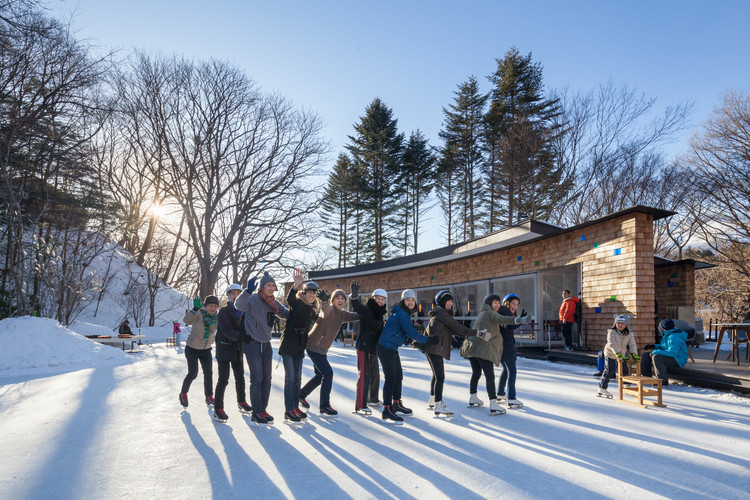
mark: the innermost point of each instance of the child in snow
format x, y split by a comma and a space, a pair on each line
370, 327
330, 319
482, 355
260, 309
508, 359
229, 354
443, 326
619, 341
304, 307
198, 346
395, 331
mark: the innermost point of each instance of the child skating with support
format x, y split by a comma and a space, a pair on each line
202, 320
620, 344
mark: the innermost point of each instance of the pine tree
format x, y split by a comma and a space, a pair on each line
417, 178
376, 151
520, 133
338, 207
462, 157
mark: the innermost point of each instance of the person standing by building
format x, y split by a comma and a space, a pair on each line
229, 355
443, 326
202, 320
260, 309
395, 331
567, 317
304, 308
330, 319
370, 327
483, 355
620, 344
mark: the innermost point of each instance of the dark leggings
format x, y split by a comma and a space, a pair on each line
323, 377
194, 356
363, 380
438, 376
394, 375
238, 369
479, 365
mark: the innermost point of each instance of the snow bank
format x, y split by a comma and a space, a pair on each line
43, 346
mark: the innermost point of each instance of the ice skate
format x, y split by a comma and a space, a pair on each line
220, 415
328, 412
183, 399
389, 416
304, 404
301, 414
514, 403
377, 402
210, 400
291, 418
442, 411
244, 407
495, 408
268, 417
474, 401
431, 402
259, 420
398, 407
363, 411
604, 393
503, 400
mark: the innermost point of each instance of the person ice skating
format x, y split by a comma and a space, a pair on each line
671, 352
260, 310
620, 344
395, 331
304, 307
330, 319
567, 317
202, 319
370, 327
508, 359
483, 355
125, 328
443, 326
229, 355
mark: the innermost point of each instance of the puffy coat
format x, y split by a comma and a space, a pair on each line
509, 340
619, 341
397, 328
327, 326
674, 345
443, 326
568, 309
370, 324
301, 318
228, 345
474, 347
197, 338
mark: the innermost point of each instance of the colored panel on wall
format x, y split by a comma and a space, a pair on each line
618, 251
674, 275
613, 298
596, 245
536, 263
670, 284
519, 258
583, 237
598, 310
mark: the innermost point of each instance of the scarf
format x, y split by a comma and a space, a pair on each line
408, 311
377, 311
271, 301
209, 320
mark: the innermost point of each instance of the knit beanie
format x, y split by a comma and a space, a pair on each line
666, 325
211, 299
266, 279
338, 291
408, 293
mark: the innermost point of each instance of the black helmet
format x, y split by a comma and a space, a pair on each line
442, 297
310, 286
491, 298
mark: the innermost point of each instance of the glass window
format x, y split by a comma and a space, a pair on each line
553, 282
525, 287
469, 297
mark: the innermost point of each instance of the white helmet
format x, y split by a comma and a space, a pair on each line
379, 292
233, 286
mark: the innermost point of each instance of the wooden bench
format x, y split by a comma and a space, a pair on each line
172, 341
642, 384
116, 340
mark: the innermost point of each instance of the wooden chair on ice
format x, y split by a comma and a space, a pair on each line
644, 386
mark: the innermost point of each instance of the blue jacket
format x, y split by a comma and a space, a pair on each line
674, 345
397, 328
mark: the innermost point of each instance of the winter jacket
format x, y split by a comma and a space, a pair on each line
327, 326
619, 341
509, 340
474, 347
370, 324
228, 345
397, 328
125, 330
443, 326
259, 316
302, 316
568, 309
674, 345
197, 338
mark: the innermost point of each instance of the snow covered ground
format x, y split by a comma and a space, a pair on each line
81, 420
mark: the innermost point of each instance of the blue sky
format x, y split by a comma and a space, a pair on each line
334, 58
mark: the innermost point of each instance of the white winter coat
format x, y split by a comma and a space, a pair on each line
619, 341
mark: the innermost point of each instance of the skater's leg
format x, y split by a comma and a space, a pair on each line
399, 379
297, 380
221, 384
255, 364
438, 375
511, 364
238, 369
324, 371
374, 373
489, 377
192, 361
290, 402
314, 382
610, 365
503, 379
363, 380
388, 360
207, 363
476, 372
267, 360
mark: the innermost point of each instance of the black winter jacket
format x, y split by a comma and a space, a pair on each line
228, 345
509, 340
301, 318
370, 324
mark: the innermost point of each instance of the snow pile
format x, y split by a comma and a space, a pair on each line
43, 346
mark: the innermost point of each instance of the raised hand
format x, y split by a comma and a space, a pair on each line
251, 285
323, 295
197, 303
298, 276
355, 289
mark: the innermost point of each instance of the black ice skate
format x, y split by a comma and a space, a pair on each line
291, 418
210, 400
390, 416
328, 412
183, 399
220, 415
304, 404
244, 407
400, 408
259, 420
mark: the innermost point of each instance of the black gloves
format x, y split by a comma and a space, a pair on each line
323, 295
355, 290
251, 286
649, 347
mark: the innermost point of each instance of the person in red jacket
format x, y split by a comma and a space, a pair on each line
567, 317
